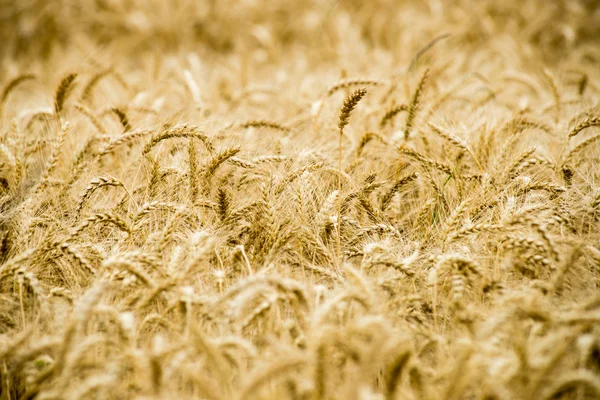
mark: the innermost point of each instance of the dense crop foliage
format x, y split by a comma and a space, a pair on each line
300, 200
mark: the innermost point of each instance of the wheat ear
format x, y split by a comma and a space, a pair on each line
62, 92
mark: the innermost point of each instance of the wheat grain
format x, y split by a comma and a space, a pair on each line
95, 185
584, 124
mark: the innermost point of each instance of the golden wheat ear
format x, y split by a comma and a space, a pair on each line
349, 104
12, 85
64, 89
415, 104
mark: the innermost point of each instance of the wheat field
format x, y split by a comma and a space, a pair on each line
300, 200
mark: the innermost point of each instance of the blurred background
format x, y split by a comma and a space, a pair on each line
40, 28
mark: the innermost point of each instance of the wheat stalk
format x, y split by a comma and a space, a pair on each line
349, 104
